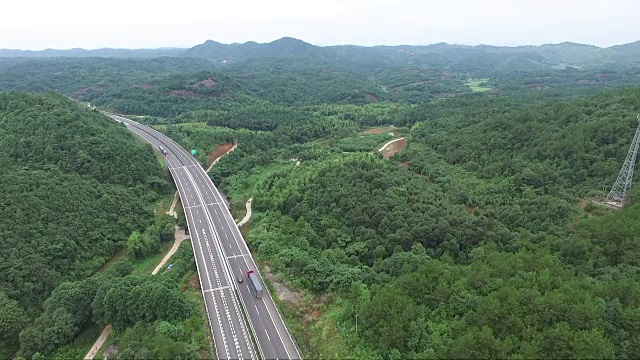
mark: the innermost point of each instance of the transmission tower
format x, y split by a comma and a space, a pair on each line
618, 194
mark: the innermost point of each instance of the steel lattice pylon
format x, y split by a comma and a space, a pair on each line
618, 194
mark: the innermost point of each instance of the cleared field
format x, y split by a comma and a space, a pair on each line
476, 85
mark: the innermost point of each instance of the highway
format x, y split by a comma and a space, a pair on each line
221, 257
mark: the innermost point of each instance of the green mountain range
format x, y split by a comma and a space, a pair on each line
548, 55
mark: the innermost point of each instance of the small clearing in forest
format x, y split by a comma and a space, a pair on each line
219, 151
392, 147
380, 130
283, 293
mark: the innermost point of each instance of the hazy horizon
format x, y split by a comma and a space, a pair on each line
68, 24
325, 45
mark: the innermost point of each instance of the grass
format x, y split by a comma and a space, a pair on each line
119, 255
81, 344
318, 335
164, 202
240, 189
110, 340
198, 324
366, 143
239, 210
326, 339
477, 85
146, 266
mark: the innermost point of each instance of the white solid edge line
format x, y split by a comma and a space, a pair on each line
256, 269
204, 298
210, 183
225, 263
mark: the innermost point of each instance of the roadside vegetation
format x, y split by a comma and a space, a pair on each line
476, 240
430, 249
64, 216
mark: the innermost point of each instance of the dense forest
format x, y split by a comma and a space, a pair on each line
74, 186
291, 72
476, 239
468, 243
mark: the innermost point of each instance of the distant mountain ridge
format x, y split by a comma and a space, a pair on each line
566, 53
105, 52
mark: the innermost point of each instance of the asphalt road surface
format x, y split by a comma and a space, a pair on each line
221, 257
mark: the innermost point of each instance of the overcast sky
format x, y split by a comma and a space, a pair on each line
63, 24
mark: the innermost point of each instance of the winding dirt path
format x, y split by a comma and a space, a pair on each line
106, 332
180, 237
235, 145
392, 147
389, 143
172, 210
247, 216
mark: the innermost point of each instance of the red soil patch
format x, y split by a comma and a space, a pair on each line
183, 93
87, 89
207, 83
379, 130
496, 91
371, 98
398, 88
393, 148
405, 163
219, 151
544, 78
314, 313
469, 209
143, 86
415, 71
585, 81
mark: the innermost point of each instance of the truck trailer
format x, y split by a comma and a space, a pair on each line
255, 286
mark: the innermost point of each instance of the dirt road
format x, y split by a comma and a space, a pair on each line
106, 332
247, 216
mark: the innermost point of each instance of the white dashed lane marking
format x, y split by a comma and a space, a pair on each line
222, 296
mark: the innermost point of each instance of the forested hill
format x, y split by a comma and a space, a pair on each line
457, 57
531, 57
44, 131
73, 186
106, 52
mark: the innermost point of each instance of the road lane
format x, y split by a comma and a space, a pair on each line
230, 335
221, 256
269, 328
